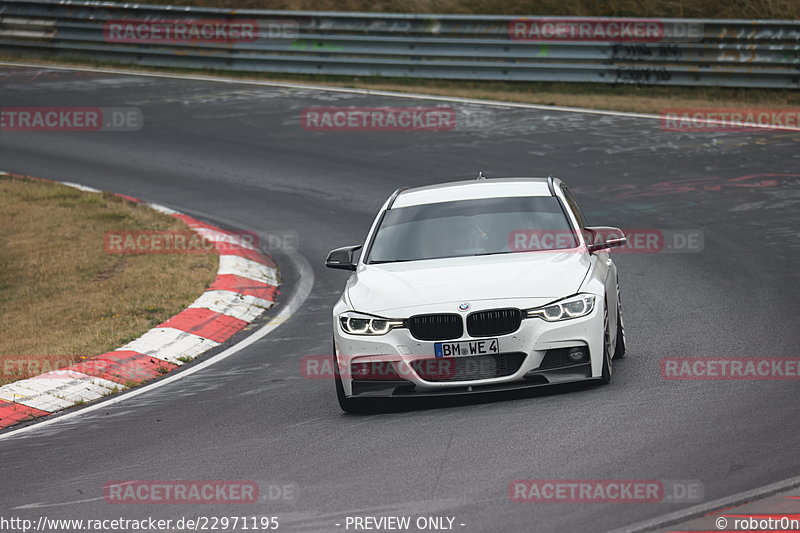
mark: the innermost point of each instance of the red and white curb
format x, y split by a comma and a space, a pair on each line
246, 285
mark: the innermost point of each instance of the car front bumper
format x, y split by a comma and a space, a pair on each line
535, 350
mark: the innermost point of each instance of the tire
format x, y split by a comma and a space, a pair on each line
621, 344
348, 405
607, 367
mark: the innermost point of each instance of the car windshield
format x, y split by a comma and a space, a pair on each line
472, 227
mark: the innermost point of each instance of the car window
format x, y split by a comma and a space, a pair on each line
472, 227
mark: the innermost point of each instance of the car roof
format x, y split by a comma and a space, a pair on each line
472, 190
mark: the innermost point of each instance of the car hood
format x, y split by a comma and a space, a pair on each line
393, 286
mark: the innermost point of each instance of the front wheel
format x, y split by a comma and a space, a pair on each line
621, 344
607, 372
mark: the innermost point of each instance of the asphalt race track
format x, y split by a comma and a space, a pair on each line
236, 154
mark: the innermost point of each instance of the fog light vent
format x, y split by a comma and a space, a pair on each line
578, 355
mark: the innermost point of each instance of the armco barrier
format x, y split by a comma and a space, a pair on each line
734, 53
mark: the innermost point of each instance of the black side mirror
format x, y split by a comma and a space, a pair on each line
342, 258
602, 237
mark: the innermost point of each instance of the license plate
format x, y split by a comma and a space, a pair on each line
466, 348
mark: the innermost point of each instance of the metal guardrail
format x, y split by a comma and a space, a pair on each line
734, 53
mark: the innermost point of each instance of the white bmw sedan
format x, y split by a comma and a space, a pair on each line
476, 286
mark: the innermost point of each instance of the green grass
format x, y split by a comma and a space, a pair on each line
64, 298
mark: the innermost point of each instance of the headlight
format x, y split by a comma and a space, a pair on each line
572, 307
358, 324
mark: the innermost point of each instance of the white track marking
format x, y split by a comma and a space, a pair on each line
163, 209
704, 508
224, 237
57, 390
39, 505
80, 187
239, 266
393, 94
313, 87
306, 281
233, 304
304, 285
170, 344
